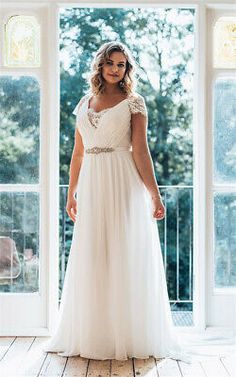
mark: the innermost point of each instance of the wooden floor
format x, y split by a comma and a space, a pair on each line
23, 356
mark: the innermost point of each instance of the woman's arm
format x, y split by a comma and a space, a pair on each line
143, 161
75, 166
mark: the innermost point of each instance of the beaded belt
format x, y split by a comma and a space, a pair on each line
106, 149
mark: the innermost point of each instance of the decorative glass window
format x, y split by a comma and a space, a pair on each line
22, 37
224, 43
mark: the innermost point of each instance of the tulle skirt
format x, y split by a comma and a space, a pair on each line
114, 303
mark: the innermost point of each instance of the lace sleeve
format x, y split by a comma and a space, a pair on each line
137, 105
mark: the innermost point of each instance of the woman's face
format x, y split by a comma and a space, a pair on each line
114, 67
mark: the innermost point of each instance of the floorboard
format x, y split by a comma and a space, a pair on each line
24, 356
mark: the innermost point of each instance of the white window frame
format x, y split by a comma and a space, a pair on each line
224, 297
47, 75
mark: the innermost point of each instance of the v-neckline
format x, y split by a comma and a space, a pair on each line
108, 108
103, 110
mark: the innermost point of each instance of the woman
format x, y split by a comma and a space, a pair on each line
114, 302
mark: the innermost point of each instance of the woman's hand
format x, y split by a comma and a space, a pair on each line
71, 207
158, 208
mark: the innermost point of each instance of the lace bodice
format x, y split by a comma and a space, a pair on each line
110, 127
135, 101
94, 116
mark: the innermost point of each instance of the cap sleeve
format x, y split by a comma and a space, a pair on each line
74, 112
81, 101
137, 105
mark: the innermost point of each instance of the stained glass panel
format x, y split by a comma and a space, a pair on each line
224, 43
22, 36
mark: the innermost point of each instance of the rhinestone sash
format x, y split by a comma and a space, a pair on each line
96, 150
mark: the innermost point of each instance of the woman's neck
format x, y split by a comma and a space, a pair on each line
111, 90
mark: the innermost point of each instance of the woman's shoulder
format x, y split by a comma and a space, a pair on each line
137, 103
80, 103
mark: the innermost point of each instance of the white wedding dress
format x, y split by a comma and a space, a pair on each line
114, 302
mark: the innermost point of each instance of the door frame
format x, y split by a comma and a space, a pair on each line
35, 311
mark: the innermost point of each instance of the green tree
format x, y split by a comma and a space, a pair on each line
161, 41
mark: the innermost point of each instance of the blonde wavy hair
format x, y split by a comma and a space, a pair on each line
95, 79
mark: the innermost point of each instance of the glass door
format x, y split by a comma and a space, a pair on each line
23, 162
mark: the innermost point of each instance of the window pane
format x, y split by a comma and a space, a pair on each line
224, 42
19, 242
225, 239
19, 132
163, 41
225, 131
22, 42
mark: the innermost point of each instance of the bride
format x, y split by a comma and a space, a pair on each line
114, 302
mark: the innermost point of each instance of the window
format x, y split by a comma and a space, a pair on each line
26, 174
19, 164
224, 153
22, 37
224, 42
164, 48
